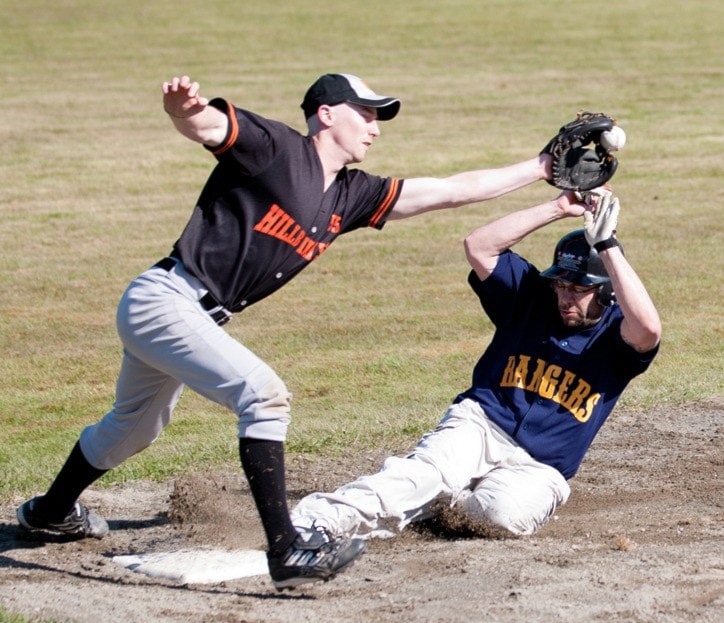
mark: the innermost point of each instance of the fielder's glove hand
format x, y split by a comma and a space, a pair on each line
599, 223
576, 167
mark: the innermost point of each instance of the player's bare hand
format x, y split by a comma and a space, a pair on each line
181, 97
571, 204
546, 161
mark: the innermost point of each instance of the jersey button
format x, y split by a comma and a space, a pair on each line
278, 275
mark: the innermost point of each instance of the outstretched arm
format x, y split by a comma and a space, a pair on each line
425, 194
486, 243
191, 114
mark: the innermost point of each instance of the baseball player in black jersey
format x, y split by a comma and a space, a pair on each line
274, 202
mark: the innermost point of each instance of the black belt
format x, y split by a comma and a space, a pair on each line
219, 314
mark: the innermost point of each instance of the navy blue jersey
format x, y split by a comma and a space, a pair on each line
549, 387
264, 215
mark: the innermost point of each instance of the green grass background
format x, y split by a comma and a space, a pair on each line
378, 336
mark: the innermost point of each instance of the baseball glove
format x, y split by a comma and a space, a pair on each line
575, 166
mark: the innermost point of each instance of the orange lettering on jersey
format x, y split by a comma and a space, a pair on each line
269, 220
549, 381
306, 249
552, 382
293, 235
278, 224
335, 224
575, 399
536, 377
582, 415
283, 223
521, 372
561, 392
509, 374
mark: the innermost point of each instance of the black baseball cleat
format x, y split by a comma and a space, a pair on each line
314, 556
80, 522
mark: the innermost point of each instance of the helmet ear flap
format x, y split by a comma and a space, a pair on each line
606, 296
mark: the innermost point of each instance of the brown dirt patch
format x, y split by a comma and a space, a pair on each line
641, 539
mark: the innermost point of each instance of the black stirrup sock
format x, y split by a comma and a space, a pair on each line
263, 464
74, 477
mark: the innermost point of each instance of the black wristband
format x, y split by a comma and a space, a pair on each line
605, 244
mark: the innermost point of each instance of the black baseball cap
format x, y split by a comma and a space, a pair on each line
333, 89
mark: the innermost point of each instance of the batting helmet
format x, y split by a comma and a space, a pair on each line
576, 262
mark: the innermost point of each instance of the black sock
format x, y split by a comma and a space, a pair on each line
74, 477
263, 463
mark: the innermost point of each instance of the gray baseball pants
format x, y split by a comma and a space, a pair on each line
169, 342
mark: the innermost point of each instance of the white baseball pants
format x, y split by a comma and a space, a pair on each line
467, 461
170, 342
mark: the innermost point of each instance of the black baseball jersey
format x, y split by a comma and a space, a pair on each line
264, 215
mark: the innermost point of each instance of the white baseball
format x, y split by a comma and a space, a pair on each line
613, 139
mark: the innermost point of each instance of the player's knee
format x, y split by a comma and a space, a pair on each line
267, 414
505, 515
274, 396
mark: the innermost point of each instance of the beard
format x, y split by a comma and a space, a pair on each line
575, 318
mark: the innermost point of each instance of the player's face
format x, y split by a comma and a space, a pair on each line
577, 305
355, 127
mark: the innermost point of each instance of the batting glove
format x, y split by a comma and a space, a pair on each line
599, 223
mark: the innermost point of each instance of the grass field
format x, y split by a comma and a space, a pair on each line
380, 334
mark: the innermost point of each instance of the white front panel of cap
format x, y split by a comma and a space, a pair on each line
361, 88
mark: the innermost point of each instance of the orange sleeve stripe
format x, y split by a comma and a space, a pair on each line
233, 132
384, 206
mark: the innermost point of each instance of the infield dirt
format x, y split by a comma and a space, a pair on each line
641, 539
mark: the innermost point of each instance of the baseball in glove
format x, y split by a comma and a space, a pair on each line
575, 165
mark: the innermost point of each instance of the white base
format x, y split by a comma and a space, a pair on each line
197, 566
